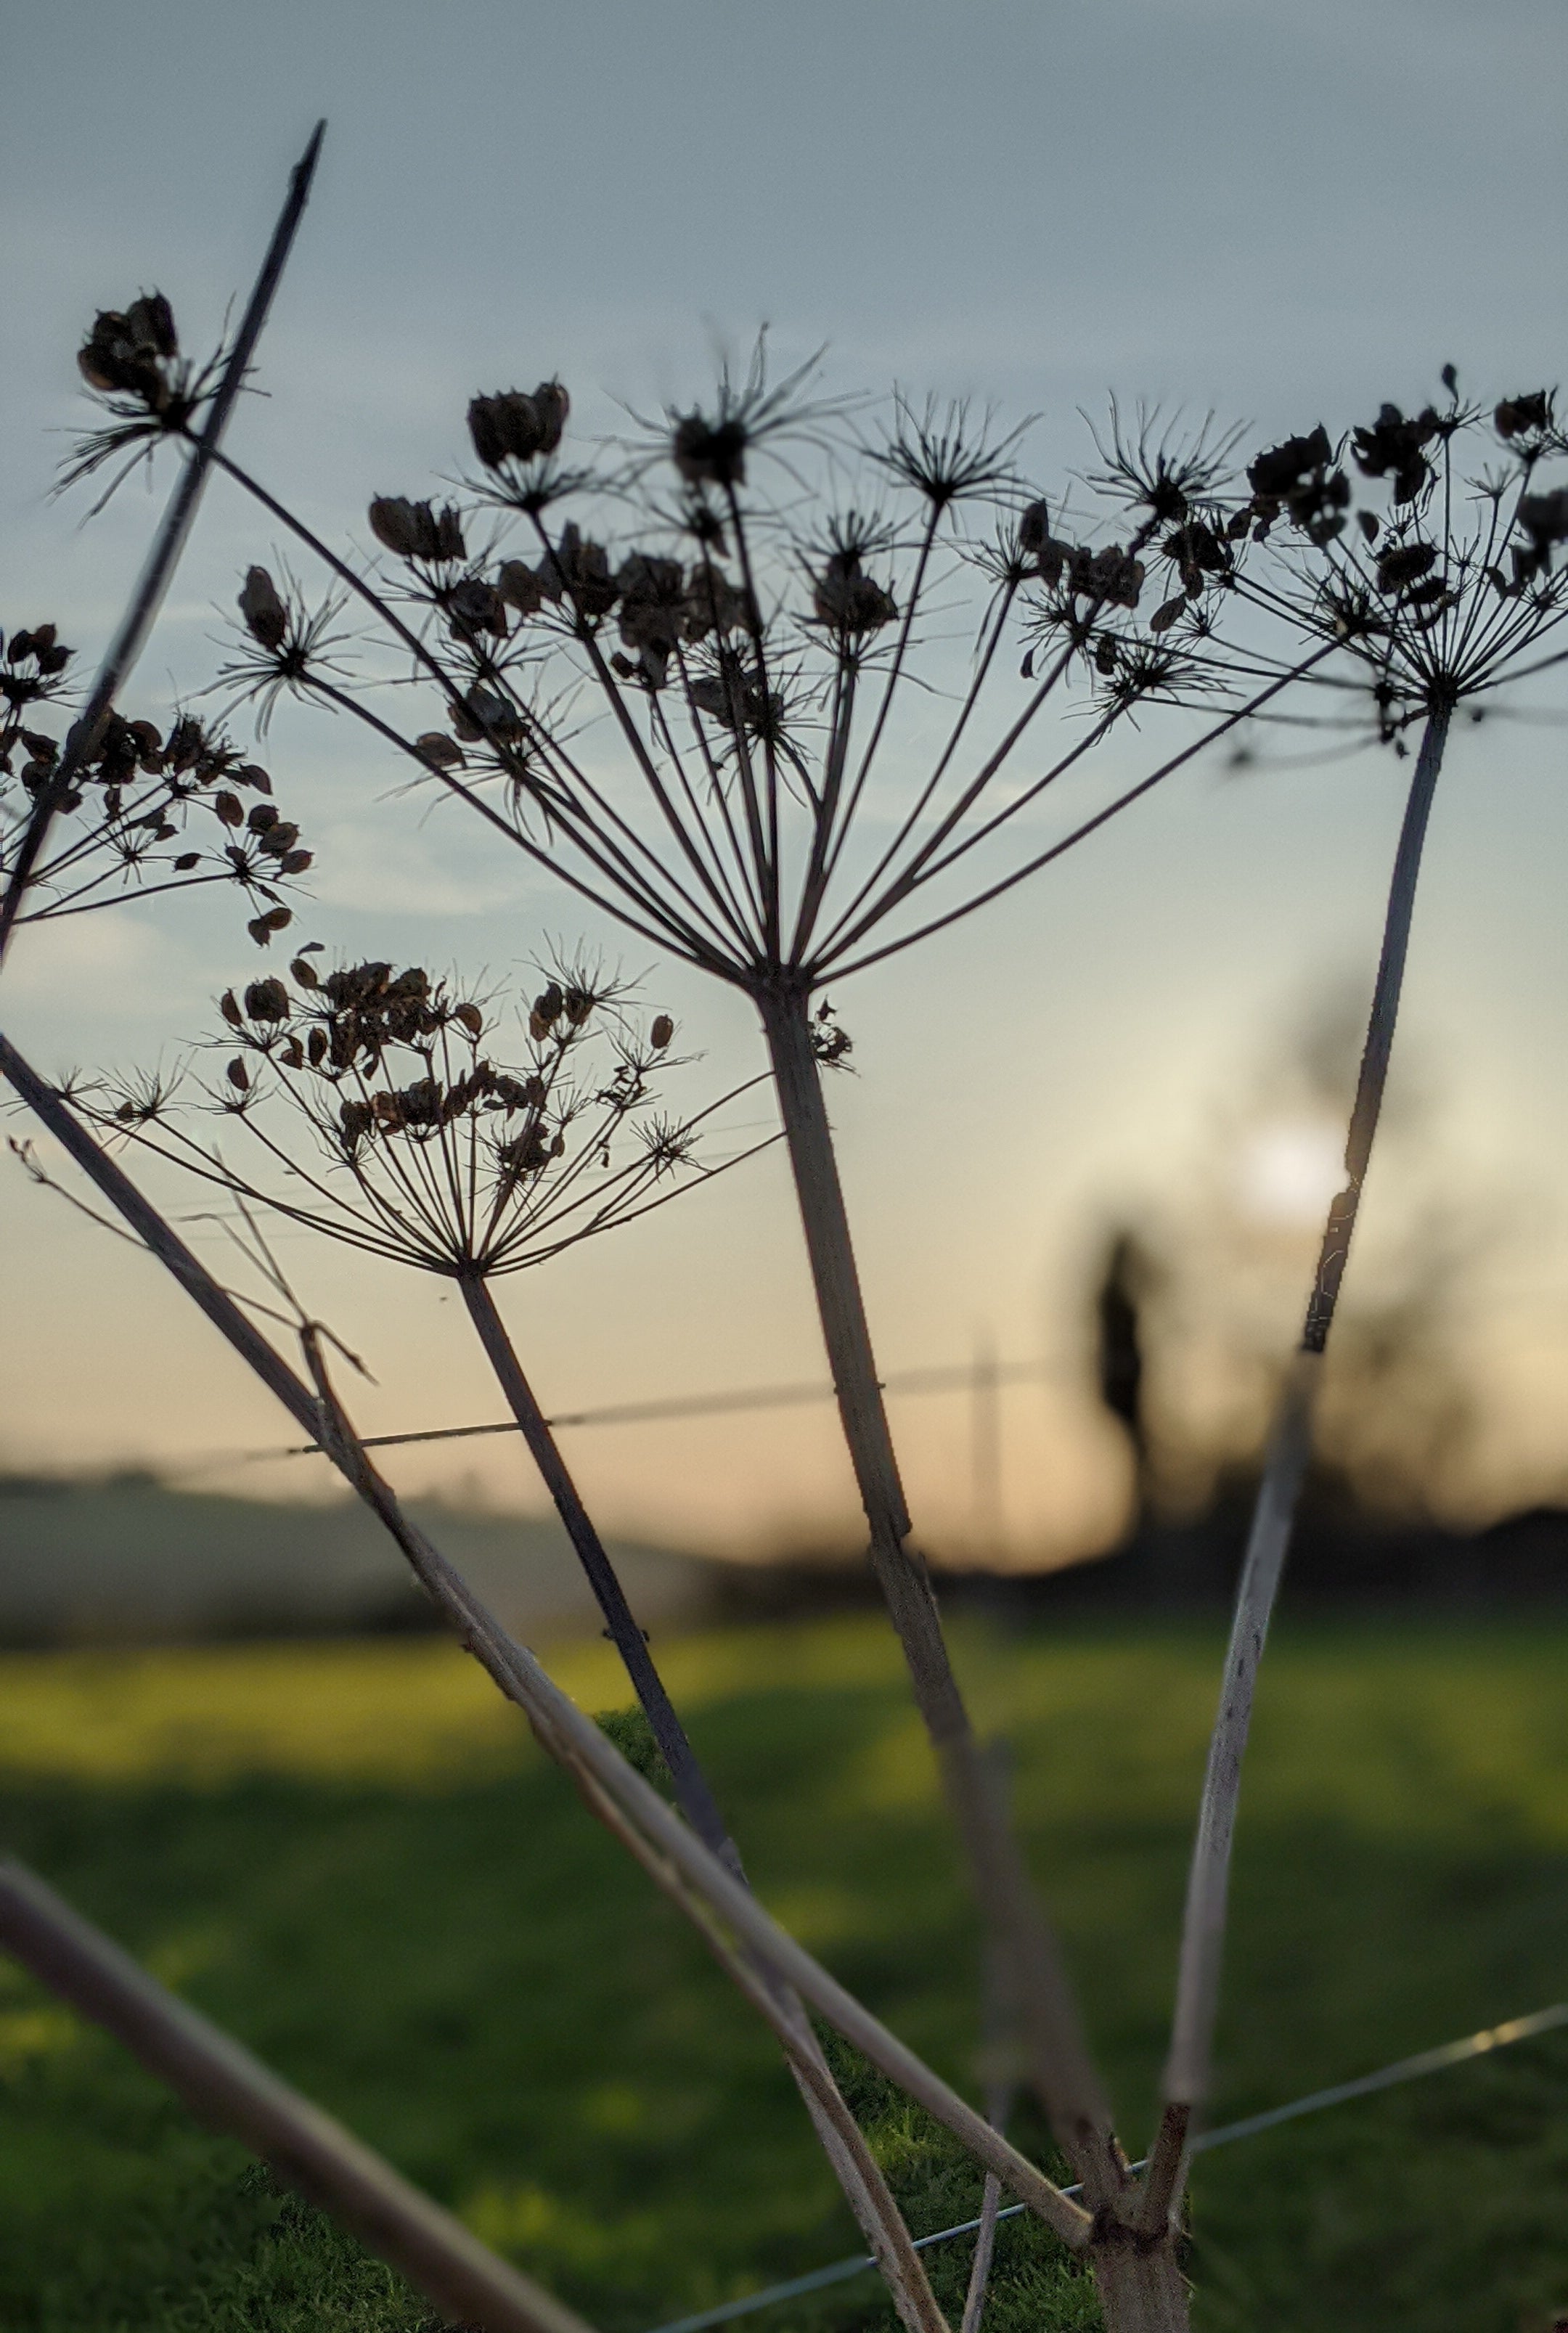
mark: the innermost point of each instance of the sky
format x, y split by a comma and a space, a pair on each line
1272, 214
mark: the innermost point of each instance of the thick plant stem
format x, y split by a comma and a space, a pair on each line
1140, 2282
1059, 2056
231, 2092
854, 2166
1203, 1924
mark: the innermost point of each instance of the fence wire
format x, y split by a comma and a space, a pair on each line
1403, 2070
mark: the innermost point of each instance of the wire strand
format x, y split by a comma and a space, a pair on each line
1403, 2070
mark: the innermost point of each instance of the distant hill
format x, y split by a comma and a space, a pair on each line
129, 1558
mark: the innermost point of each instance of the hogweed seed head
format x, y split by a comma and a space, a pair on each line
385, 1119
1440, 590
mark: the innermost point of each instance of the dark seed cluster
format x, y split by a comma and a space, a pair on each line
378, 1096
129, 797
1445, 579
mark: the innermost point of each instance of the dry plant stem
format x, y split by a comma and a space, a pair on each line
1141, 2286
563, 1731
998, 2105
692, 1790
856, 2169
1204, 1923
1059, 2055
167, 545
231, 2092
892, 2247
984, 2247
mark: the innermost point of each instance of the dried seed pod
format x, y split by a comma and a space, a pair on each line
267, 1000
1034, 529
1282, 467
413, 531
1403, 563
662, 1030
1544, 518
470, 1018
581, 568
520, 587
150, 320
1517, 414
503, 427
707, 453
484, 714
1394, 443
127, 354
849, 599
551, 404
512, 427
438, 751
238, 1075
266, 617
477, 607
228, 1005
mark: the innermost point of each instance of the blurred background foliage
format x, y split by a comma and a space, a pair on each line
351, 1855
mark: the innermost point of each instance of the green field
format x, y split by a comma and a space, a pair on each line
353, 1856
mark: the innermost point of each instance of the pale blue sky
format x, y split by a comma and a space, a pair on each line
1278, 212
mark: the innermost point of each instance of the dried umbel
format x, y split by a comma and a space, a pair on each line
755, 661
1440, 591
123, 821
134, 354
406, 1122
1435, 577
131, 362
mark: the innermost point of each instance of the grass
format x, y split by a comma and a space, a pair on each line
353, 1856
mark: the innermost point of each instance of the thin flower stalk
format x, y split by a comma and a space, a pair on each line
231, 2092
133, 362
424, 1148
1435, 610
691, 1871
